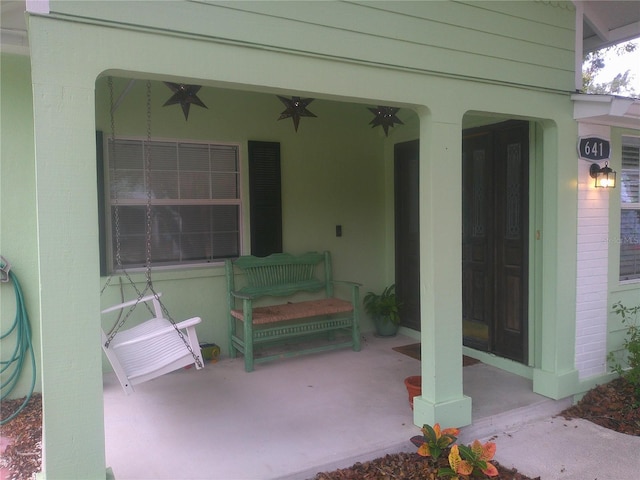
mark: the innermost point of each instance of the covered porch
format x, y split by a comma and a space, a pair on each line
67, 102
292, 418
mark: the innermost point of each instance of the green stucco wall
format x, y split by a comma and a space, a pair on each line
18, 208
333, 173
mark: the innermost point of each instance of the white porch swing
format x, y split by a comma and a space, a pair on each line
158, 345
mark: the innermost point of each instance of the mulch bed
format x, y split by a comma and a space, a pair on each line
405, 466
612, 405
22, 455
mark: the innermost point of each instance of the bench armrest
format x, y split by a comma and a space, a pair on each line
243, 296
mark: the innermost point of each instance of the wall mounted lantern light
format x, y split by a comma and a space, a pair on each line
604, 177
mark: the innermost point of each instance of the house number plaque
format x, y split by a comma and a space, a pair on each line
594, 148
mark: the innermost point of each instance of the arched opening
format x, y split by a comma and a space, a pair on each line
335, 170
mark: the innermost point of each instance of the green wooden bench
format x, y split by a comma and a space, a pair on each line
284, 275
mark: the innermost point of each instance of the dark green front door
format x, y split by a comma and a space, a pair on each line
407, 231
495, 198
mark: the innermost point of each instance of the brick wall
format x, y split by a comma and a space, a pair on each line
592, 285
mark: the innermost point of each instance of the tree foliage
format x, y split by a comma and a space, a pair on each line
594, 62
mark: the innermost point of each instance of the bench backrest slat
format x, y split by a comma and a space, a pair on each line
280, 274
268, 275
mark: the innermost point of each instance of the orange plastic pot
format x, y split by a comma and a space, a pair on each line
414, 387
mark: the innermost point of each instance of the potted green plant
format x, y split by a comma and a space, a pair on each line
384, 310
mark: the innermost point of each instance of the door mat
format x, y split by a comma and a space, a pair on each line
413, 350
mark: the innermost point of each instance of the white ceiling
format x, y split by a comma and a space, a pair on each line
606, 22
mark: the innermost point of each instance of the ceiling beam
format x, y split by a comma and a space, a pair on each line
618, 35
595, 21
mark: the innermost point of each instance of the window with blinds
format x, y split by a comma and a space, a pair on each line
194, 190
630, 209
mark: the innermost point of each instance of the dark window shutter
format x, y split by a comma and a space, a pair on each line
265, 198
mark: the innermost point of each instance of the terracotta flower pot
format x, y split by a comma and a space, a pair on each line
414, 387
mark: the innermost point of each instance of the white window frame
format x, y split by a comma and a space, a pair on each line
141, 201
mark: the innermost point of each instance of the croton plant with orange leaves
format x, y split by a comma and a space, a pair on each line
435, 440
465, 462
471, 462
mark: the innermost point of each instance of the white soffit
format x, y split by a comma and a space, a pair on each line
607, 110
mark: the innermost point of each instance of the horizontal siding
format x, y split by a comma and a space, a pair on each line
524, 43
454, 27
492, 19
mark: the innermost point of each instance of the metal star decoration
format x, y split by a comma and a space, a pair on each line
386, 117
296, 108
185, 95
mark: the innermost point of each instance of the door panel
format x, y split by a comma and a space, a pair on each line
512, 173
477, 239
407, 231
494, 239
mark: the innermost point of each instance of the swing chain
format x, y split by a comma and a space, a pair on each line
148, 236
166, 314
116, 215
111, 146
147, 173
124, 319
116, 209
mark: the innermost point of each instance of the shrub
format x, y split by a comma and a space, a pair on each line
471, 461
435, 440
631, 344
465, 462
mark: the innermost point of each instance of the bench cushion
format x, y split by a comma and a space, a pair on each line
292, 311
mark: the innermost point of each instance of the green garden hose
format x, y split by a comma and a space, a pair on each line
23, 347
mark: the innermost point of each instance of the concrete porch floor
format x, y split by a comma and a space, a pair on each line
292, 418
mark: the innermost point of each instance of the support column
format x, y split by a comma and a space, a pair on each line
442, 399
67, 235
556, 376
